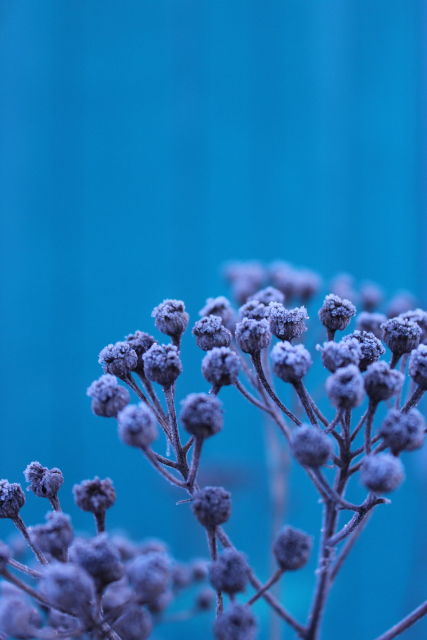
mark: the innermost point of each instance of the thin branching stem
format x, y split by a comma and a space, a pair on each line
274, 578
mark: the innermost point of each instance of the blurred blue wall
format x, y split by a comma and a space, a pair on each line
142, 144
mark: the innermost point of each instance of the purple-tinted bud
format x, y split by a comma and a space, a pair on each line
343, 286
99, 558
290, 363
181, 576
307, 284
118, 359
205, 599
310, 446
345, 387
200, 569
116, 594
371, 348
336, 355
420, 318
162, 364
171, 318
201, 415
371, 323
286, 324
55, 536
221, 366
381, 382
372, 296
150, 575
253, 310
68, 586
418, 366
236, 623
124, 546
159, 604
212, 506
44, 482
253, 335
210, 333
134, 624
381, 473
19, 619
140, 343
246, 279
137, 426
230, 573
284, 277
218, 307
403, 431
401, 336
108, 398
401, 302
336, 313
12, 498
62, 622
5, 556
267, 295
95, 496
291, 548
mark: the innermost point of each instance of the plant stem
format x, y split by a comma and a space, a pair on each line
195, 461
213, 550
24, 569
20, 525
404, 624
368, 428
305, 401
274, 578
414, 399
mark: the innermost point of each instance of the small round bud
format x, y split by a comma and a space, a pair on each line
108, 398
210, 333
345, 387
171, 318
381, 473
99, 558
201, 415
12, 498
420, 318
372, 296
95, 496
134, 624
336, 355
418, 366
253, 310
236, 623
44, 482
381, 382
230, 573
19, 619
371, 323
137, 426
180, 576
160, 604
401, 336
118, 359
150, 575
253, 335
162, 364
402, 302
68, 586
205, 599
140, 343
286, 324
212, 506
343, 286
336, 313
307, 284
246, 278
219, 307
267, 295
290, 363
310, 446
371, 348
403, 431
220, 366
5, 556
55, 536
200, 569
285, 278
291, 548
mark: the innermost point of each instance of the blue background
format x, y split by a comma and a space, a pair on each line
144, 143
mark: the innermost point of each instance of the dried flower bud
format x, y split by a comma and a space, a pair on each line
307, 284
371, 323
402, 301
285, 278
212, 506
61, 621
343, 286
162, 364
159, 604
372, 296
118, 359
205, 599
210, 333
336, 313
382, 472
336, 355
200, 569
420, 318
218, 307
19, 619
267, 295
253, 335
201, 415
12, 498
253, 310
246, 278
116, 594
171, 318
137, 426
310, 446
230, 573
95, 496
181, 576
220, 366
401, 336
140, 342
291, 548
44, 482
345, 387
68, 586
403, 431
150, 575
108, 398
418, 366
371, 348
381, 382
286, 324
99, 558
134, 624
290, 363
236, 623
5, 556
55, 536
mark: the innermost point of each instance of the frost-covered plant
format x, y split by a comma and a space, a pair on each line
109, 587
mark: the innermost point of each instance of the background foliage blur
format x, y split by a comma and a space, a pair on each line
144, 143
